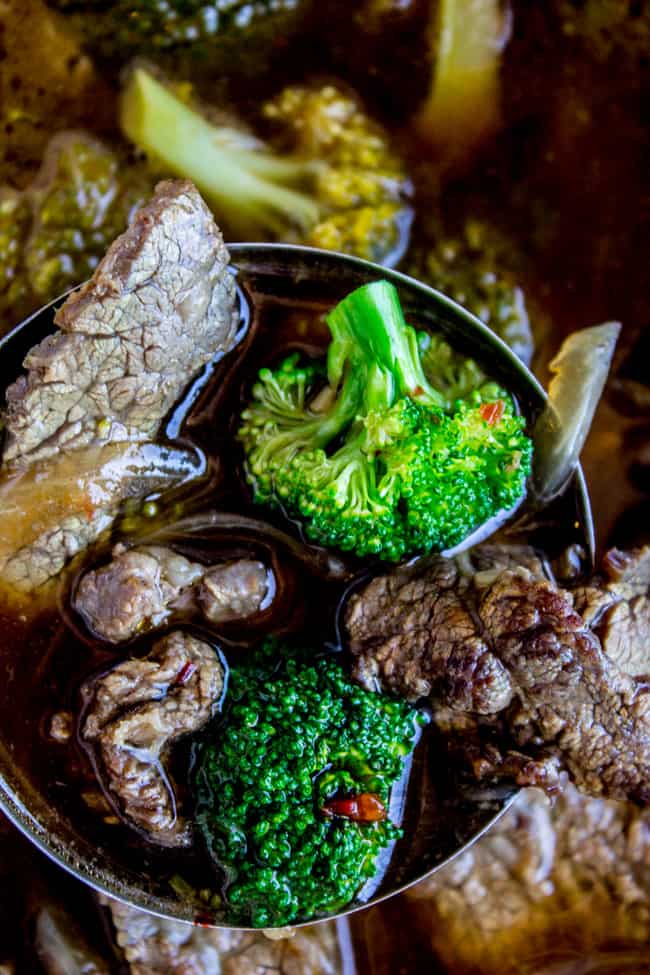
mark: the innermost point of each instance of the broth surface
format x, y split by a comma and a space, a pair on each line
212, 519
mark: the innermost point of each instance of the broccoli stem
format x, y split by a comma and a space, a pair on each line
462, 108
244, 183
371, 319
330, 424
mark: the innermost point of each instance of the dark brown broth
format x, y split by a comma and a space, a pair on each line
59, 654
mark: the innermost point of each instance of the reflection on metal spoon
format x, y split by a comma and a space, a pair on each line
580, 371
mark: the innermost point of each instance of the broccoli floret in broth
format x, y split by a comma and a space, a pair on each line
293, 788
385, 464
15, 220
47, 84
53, 234
362, 184
452, 374
328, 177
209, 36
470, 268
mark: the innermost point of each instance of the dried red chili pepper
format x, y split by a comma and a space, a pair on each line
185, 673
364, 808
492, 412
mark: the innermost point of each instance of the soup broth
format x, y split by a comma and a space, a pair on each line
207, 521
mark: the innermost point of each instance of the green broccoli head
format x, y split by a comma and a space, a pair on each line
379, 461
209, 35
362, 185
53, 234
327, 178
296, 736
452, 374
469, 267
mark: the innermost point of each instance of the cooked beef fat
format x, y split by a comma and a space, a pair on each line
233, 590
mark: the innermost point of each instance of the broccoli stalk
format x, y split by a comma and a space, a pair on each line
462, 107
371, 321
389, 467
245, 183
335, 184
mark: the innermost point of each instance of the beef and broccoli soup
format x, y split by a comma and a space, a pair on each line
237, 687
284, 621
192, 691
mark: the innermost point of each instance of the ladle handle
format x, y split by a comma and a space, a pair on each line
580, 371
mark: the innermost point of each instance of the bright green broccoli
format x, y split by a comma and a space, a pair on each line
210, 35
333, 181
276, 781
53, 234
452, 374
367, 453
469, 267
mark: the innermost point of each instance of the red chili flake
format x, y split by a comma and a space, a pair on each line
492, 412
203, 919
364, 808
185, 673
417, 391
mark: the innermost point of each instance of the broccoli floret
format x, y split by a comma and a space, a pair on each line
384, 463
297, 735
53, 234
452, 374
15, 219
206, 35
333, 182
468, 267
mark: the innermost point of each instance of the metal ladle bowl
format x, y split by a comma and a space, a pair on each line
306, 277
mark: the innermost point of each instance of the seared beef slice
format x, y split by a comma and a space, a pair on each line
616, 604
134, 591
158, 307
413, 632
155, 946
136, 712
506, 649
571, 696
544, 888
160, 304
142, 586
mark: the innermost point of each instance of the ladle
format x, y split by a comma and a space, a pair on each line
309, 278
